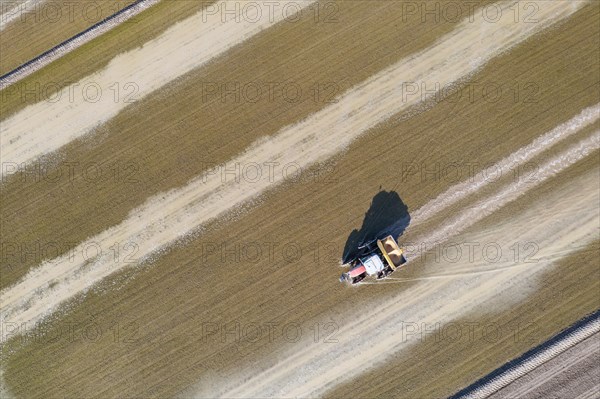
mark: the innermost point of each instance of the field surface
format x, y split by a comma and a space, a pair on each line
178, 194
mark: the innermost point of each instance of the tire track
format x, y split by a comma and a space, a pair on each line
592, 393
511, 192
519, 157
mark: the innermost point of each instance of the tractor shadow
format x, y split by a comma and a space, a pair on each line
388, 214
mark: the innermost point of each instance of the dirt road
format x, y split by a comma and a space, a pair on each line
572, 374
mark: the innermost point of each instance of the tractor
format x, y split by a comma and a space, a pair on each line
378, 258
